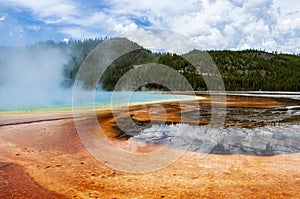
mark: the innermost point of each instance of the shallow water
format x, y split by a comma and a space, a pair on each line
267, 140
252, 131
103, 100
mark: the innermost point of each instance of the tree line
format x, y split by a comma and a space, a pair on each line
245, 70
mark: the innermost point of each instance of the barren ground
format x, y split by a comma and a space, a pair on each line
41, 156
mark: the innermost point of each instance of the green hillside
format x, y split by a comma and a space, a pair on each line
248, 70
258, 70
240, 70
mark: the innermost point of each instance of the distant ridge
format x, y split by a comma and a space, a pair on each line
244, 70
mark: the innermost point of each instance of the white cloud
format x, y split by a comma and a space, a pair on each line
94, 19
224, 24
214, 24
2, 18
118, 27
44, 9
64, 12
153, 38
66, 40
79, 33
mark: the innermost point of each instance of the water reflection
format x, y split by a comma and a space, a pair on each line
247, 130
267, 140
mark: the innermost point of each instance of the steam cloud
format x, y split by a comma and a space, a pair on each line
31, 77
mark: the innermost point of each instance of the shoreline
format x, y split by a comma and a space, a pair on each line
69, 108
199, 96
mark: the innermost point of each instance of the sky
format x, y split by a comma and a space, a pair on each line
272, 25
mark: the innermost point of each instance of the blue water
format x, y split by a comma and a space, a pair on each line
102, 100
121, 98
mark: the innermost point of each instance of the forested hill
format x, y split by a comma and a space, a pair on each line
258, 70
240, 70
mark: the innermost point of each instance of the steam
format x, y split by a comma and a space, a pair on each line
31, 77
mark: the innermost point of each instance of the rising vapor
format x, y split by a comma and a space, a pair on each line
31, 77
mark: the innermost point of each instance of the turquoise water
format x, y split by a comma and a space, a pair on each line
103, 100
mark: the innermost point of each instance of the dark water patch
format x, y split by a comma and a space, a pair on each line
247, 117
254, 130
264, 141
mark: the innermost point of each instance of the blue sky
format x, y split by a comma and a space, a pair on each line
213, 24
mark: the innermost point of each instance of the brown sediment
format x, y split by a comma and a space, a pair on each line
172, 112
46, 159
243, 101
16, 183
252, 102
